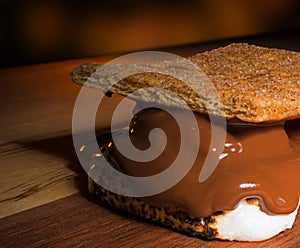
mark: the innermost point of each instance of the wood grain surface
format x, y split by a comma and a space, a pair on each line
43, 198
38, 163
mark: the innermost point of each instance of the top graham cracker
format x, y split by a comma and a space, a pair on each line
255, 84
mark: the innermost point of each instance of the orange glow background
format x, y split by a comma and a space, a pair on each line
40, 31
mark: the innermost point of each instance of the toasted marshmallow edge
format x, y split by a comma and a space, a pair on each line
248, 223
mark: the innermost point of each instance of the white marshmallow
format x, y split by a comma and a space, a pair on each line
248, 223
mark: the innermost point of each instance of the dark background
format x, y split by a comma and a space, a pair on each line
40, 31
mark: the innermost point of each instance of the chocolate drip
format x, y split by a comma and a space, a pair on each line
261, 161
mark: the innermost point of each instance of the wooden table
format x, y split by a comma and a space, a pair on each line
43, 190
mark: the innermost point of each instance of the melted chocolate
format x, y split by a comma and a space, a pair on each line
261, 161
